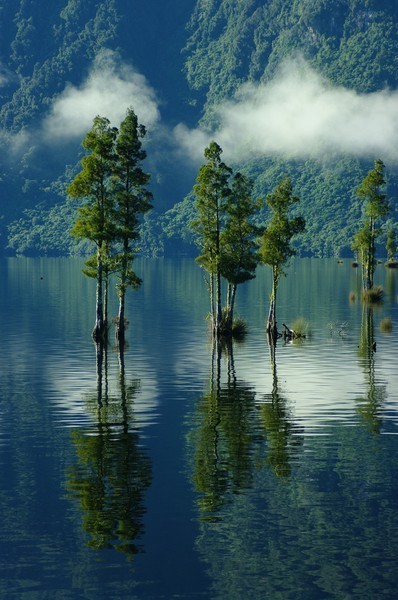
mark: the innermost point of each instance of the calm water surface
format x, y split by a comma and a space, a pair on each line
187, 473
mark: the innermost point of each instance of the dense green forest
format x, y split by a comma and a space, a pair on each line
181, 66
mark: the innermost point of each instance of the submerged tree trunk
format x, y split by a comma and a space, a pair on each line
217, 328
121, 322
105, 307
98, 330
272, 329
212, 302
229, 317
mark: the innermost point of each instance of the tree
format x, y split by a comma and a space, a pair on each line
275, 247
113, 182
391, 244
132, 199
211, 191
95, 220
238, 241
375, 207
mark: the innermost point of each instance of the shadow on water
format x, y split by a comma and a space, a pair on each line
112, 473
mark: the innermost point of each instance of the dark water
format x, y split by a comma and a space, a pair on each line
189, 474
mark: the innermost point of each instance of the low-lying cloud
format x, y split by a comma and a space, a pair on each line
301, 115
110, 88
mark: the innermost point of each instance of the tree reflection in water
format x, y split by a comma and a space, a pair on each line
112, 473
224, 439
370, 406
283, 435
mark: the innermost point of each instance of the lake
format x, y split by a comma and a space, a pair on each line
190, 473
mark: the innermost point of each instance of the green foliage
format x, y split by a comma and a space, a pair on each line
92, 183
376, 207
354, 43
391, 244
301, 327
374, 295
386, 325
276, 248
211, 192
225, 233
46, 231
239, 236
112, 183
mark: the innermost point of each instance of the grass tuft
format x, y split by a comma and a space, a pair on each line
239, 328
301, 327
374, 296
386, 325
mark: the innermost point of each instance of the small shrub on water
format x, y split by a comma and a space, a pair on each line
386, 325
353, 297
374, 296
301, 327
239, 328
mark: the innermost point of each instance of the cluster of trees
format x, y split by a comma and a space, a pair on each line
375, 208
353, 43
231, 244
114, 186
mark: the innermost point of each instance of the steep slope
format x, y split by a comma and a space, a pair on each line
353, 44
47, 49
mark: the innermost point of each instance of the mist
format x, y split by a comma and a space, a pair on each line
300, 115
110, 88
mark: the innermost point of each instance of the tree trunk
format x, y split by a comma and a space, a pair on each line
98, 330
231, 306
212, 301
105, 307
217, 328
121, 325
272, 330
121, 320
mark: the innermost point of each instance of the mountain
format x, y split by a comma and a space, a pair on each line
298, 87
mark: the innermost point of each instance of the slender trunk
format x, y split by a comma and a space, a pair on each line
99, 321
121, 321
231, 307
219, 306
121, 327
105, 308
211, 290
372, 255
363, 269
272, 330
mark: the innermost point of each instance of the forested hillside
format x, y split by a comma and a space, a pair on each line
180, 62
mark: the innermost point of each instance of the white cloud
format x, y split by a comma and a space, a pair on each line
108, 91
299, 114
